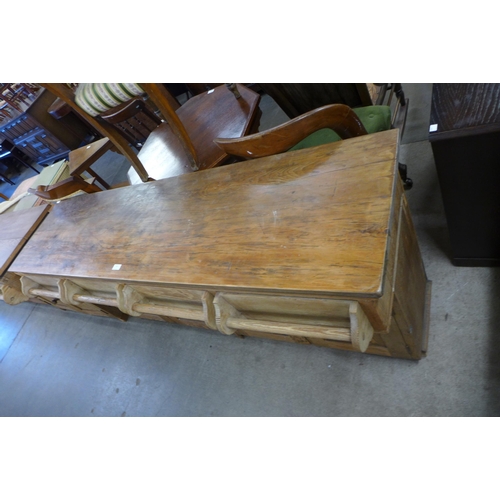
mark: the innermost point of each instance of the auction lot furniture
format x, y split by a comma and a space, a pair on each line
17, 227
216, 113
39, 136
23, 197
82, 158
314, 246
465, 138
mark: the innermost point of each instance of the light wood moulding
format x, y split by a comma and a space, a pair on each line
230, 319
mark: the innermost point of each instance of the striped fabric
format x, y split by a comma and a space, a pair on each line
95, 98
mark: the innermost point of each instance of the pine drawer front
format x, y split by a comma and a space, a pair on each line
120, 300
304, 318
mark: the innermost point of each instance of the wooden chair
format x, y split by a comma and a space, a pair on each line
10, 95
295, 99
134, 120
320, 126
178, 148
184, 142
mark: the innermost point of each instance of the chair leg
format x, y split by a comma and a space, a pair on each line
398, 89
98, 178
407, 182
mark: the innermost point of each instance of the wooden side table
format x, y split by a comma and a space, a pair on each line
80, 159
465, 138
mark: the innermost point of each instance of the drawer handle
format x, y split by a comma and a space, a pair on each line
131, 302
296, 330
360, 332
31, 288
11, 292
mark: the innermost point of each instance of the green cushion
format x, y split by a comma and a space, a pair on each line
374, 119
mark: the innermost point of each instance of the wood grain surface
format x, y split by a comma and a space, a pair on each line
15, 229
460, 109
314, 220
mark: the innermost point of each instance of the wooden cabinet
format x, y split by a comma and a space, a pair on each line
33, 140
313, 246
41, 137
465, 139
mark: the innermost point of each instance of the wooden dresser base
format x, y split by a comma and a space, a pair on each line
313, 247
395, 325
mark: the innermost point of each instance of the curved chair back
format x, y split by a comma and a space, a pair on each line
337, 117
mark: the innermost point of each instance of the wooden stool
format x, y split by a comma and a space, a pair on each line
80, 159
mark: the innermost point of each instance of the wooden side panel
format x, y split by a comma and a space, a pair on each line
409, 310
395, 342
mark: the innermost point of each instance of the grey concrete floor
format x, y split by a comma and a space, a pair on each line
56, 363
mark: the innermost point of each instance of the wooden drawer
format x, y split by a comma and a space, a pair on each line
296, 317
305, 318
114, 299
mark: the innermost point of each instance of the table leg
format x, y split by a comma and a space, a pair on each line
98, 178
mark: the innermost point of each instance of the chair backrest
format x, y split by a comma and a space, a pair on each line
338, 117
134, 120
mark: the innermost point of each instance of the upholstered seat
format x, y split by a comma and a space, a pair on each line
322, 125
373, 118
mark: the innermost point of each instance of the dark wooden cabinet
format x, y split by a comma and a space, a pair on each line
41, 137
465, 138
33, 140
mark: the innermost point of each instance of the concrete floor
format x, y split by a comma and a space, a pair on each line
56, 363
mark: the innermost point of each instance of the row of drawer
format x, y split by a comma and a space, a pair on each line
228, 312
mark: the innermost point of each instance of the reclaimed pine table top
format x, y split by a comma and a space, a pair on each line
15, 230
314, 220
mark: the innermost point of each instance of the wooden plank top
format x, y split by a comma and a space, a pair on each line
464, 109
15, 229
314, 220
